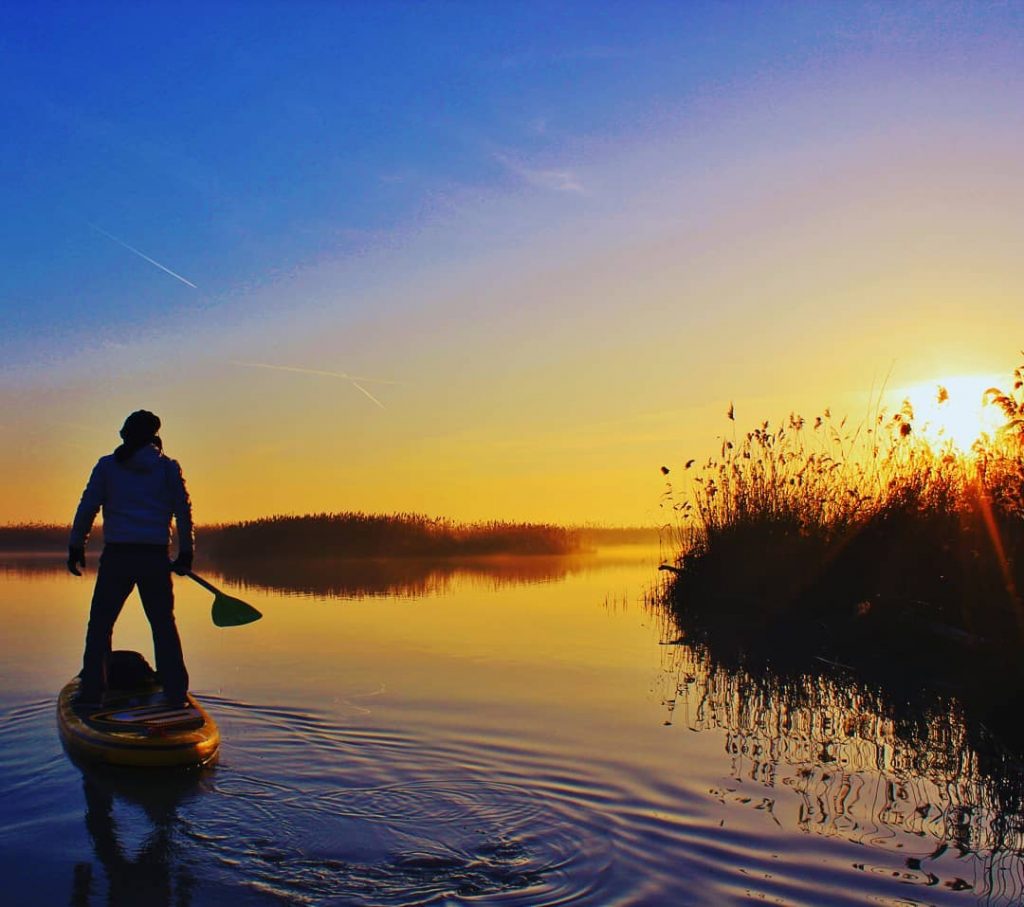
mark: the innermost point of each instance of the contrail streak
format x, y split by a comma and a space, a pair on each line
143, 255
359, 387
354, 380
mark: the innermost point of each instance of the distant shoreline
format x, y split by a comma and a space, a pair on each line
357, 535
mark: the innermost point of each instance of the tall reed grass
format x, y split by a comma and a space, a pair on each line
815, 519
355, 534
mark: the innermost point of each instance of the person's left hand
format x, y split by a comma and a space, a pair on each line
183, 563
76, 559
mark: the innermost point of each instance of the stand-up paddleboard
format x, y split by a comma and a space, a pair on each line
135, 726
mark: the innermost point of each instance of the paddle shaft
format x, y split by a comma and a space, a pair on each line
202, 582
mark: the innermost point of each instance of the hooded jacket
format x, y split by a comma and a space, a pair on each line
138, 497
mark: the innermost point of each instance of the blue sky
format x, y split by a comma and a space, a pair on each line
234, 141
524, 200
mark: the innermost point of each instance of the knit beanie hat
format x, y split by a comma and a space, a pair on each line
139, 429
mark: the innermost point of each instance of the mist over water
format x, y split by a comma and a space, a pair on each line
518, 732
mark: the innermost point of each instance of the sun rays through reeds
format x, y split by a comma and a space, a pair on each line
841, 532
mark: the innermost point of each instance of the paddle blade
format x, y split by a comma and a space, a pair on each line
232, 612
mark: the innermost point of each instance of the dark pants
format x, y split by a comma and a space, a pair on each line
122, 568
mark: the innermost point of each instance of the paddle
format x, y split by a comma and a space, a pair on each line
227, 611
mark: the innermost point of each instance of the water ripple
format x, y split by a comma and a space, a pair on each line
306, 808
423, 832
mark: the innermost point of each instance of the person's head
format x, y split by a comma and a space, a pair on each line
140, 427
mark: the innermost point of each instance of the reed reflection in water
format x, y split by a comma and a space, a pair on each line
401, 577
917, 776
502, 741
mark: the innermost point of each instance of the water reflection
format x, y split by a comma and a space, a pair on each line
137, 854
29, 565
400, 577
867, 766
372, 577
394, 754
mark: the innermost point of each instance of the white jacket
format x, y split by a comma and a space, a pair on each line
138, 497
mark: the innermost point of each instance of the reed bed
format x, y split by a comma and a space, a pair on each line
38, 537
356, 534
840, 538
360, 535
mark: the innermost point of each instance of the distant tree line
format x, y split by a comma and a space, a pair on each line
358, 535
40, 537
339, 535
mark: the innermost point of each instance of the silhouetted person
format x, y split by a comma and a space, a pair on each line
139, 490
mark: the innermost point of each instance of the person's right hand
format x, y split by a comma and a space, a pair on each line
76, 559
183, 565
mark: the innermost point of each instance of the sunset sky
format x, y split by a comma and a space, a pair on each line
562, 237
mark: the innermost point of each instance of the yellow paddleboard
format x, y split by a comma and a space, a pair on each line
135, 727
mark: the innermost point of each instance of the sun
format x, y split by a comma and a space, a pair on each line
954, 410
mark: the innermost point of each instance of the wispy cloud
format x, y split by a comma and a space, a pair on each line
554, 180
356, 381
143, 255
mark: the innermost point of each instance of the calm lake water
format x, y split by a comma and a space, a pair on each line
525, 732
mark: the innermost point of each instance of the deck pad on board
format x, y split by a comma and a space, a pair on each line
148, 718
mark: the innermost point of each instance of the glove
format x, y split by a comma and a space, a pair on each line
183, 563
76, 559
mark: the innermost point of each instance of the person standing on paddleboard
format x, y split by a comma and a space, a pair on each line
139, 490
